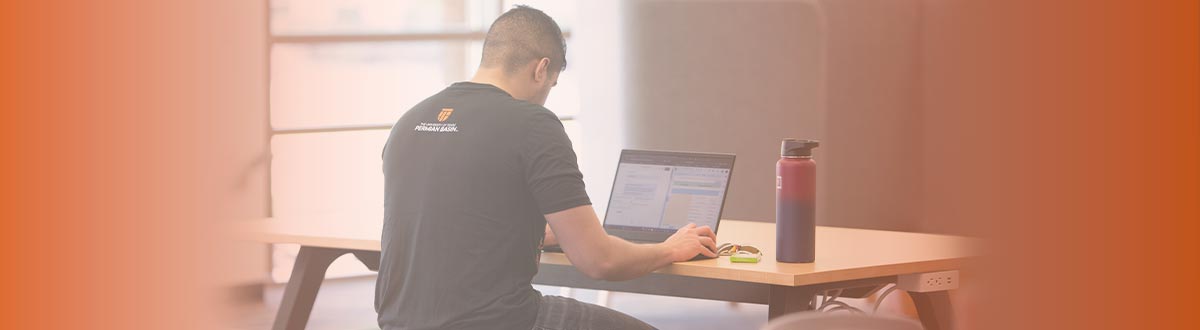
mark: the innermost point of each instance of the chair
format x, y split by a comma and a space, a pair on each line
839, 321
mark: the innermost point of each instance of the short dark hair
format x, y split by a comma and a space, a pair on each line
521, 35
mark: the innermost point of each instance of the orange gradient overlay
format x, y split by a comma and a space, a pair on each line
1074, 128
1069, 136
119, 120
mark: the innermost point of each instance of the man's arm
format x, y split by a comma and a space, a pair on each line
604, 257
550, 240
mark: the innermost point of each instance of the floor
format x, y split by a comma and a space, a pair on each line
346, 304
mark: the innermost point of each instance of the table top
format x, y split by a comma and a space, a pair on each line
842, 253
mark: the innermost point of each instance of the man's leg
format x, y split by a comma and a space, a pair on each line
560, 313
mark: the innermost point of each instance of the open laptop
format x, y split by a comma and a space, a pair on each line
657, 192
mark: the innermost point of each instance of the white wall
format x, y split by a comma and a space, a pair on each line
600, 44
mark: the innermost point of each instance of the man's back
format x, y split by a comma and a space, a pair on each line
469, 174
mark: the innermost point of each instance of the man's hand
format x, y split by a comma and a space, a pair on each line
690, 241
611, 258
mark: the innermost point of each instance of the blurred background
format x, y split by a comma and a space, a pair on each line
672, 75
711, 76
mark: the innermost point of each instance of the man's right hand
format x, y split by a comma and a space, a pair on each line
604, 257
690, 241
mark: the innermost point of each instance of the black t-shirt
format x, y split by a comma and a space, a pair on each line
468, 175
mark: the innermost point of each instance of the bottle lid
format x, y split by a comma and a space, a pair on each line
797, 147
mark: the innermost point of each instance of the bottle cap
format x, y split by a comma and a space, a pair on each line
798, 148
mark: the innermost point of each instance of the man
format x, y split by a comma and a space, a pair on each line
476, 177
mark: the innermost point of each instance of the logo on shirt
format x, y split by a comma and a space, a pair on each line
441, 126
445, 114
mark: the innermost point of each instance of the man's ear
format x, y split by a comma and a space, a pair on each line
541, 72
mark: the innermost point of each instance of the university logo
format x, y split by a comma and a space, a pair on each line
441, 126
445, 114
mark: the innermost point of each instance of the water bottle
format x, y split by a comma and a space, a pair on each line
795, 202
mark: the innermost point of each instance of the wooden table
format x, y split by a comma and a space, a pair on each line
856, 261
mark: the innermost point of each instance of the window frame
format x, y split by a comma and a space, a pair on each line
343, 38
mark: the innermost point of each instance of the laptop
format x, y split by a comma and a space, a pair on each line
656, 192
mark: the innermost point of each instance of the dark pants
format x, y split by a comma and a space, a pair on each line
560, 313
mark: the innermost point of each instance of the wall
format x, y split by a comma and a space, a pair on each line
739, 76
730, 77
872, 154
955, 66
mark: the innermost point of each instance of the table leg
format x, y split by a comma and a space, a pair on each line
785, 300
369, 259
934, 309
302, 287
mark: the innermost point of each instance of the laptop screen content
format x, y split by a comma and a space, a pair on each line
663, 191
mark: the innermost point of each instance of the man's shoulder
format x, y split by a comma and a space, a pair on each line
535, 112
508, 109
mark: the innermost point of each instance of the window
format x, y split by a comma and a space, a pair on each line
342, 71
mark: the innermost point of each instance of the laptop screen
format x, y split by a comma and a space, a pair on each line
661, 191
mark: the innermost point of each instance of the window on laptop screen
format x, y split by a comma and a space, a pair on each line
657, 191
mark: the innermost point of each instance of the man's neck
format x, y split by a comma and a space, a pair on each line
498, 78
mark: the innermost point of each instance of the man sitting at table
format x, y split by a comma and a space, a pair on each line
477, 178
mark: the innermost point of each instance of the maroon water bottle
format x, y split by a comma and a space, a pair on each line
795, 202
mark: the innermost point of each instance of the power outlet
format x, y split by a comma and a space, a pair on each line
928, 282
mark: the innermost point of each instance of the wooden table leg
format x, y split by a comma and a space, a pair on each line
369, 259
934, 309
302, 287
784, 300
